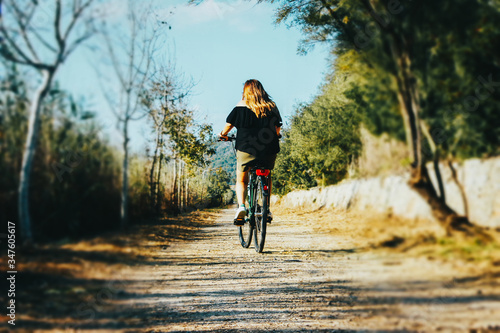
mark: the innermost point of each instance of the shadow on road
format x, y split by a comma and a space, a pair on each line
110, 283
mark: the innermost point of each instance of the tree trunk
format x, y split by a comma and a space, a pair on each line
460, 187
124, 197
179, 187
187, 193
419, 177
152, 184
201, 201
435, 160
439, 178
158, 187
28, 155
174, 187
184, 188
409, 110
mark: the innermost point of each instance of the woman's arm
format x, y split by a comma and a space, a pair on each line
226, 130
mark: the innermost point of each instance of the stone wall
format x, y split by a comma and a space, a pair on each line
480, 178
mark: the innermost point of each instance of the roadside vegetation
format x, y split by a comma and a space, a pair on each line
61, 174
433, 86
429, 91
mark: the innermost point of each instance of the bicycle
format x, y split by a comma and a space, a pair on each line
255, 224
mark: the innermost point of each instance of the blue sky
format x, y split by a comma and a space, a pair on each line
219, 44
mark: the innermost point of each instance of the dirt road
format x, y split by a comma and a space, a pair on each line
200, 279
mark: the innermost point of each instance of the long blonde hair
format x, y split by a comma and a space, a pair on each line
257, 99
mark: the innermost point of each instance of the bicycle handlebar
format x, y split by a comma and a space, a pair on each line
233, 138
229, 138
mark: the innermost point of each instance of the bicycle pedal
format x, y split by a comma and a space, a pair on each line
239, 222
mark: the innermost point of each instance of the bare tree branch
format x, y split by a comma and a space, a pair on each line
25, 53
76, 43
20, 56
23, 21
57, 28
114, 60
42, 40
77, 11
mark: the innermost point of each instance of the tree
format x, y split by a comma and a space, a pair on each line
291, 172
325, 133
73, 168
131, 53
218, 187
22, 42
178, 138
163, 99
191, 147
323, 140
392, 42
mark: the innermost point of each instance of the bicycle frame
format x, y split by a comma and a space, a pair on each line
257, 173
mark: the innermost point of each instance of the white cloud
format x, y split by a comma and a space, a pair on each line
234, 12
239, 14
112, 11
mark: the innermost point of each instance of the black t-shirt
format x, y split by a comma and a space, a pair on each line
256, 136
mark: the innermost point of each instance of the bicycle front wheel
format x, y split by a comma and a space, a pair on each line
261, 211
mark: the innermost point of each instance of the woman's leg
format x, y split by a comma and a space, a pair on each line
241, 186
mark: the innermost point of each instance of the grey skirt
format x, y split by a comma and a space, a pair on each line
245, 161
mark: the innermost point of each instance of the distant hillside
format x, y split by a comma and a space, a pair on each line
224, 158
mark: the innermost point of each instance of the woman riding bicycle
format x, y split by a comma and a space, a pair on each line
258, 123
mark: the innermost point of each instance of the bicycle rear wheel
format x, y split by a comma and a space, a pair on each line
260, 214
245, 232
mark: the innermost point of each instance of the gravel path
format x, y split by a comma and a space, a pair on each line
214, 284
193, 276
305, 281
